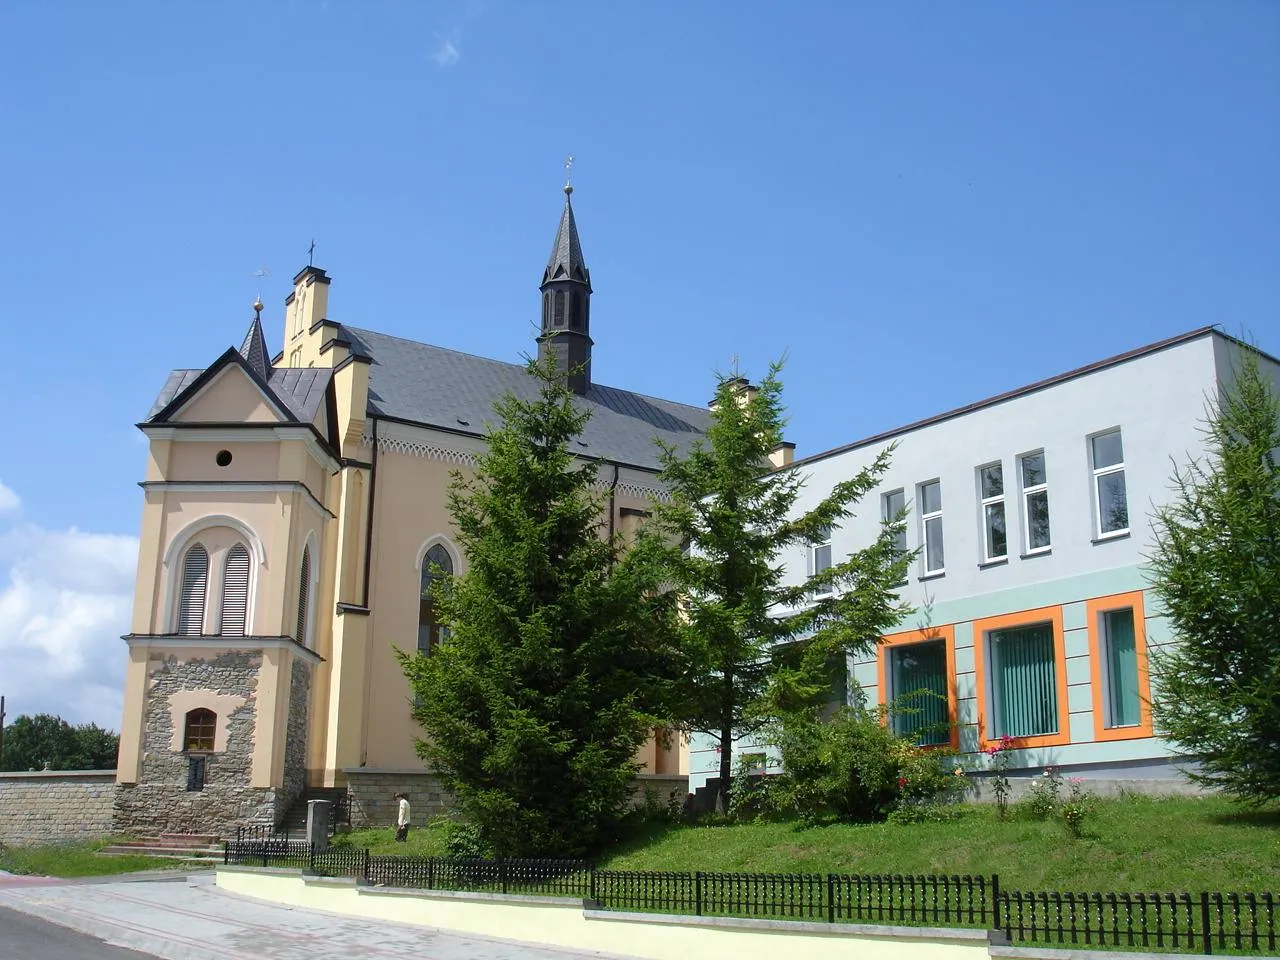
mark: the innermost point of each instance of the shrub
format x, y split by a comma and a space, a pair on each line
462, 840
853, 768
1077, 808
1041, 801
999, 779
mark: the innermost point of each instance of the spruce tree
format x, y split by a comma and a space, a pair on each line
1216, 570
535, 707
756, 642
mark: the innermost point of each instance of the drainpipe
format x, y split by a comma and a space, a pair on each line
368, 536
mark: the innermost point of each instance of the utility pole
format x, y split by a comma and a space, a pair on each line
1, 733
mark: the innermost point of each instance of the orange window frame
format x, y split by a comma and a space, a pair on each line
1094, 609
1024, 618
946, 634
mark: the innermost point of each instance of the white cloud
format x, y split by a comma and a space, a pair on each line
65, 599
446, 53
9, 501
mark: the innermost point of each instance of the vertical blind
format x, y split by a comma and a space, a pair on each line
191, 596
304, 590
1122, 668
915, 668
1026, 681
235, 592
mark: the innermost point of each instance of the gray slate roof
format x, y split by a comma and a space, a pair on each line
421, 383
566, 252
301, 392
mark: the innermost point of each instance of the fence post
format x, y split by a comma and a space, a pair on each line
697, 893
995, 901
593, 885
831, 898
311, 858
364, 871
431, 873
502, 872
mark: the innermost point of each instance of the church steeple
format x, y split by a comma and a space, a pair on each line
566, 303
254, 348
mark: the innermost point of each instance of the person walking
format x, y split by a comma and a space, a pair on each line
402, 818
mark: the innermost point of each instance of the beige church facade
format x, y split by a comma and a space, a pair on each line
293, 509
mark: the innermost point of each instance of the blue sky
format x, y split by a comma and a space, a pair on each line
920, 204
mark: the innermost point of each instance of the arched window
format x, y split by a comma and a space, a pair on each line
194, 589
579, 319
431, 633
200, 728
235, 592
304, 595
557, 318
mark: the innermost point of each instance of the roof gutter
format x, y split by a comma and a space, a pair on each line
368, 535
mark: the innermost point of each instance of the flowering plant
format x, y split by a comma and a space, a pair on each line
1077, 808
1000, 755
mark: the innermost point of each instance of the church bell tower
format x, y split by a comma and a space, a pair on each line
566, 304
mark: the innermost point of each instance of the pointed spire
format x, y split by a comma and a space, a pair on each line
254, 348
566, 261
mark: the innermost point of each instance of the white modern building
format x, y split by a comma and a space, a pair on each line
1032, 514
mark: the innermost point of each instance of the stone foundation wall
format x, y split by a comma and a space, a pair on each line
56, 805
295, 750
373, 802
160, 801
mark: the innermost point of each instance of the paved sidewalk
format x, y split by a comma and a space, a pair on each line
194, 920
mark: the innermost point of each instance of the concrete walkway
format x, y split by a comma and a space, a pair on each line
192, 919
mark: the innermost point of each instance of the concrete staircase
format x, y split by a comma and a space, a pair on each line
198, 847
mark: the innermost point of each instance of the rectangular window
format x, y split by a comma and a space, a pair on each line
196, 771
1118, 662
918, 688
931, 526
891, 505
1024, 681
1111, 502
995, 540
1035, 502
820, 559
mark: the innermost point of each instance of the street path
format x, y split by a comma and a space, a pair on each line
23, 937
194, 920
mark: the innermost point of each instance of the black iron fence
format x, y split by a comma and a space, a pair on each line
1203, 923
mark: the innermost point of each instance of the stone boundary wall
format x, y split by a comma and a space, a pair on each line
373, 802
56, 805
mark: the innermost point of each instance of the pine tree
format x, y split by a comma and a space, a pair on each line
535, 707
755, 644
1216, 570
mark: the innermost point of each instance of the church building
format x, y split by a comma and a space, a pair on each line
293, 510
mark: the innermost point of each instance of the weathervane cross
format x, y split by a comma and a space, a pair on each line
311, 251
733, 362
568, 170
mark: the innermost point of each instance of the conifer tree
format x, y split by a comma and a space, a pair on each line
1216, 570
535, 707
756, 642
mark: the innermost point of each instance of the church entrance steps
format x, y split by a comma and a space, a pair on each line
173, 846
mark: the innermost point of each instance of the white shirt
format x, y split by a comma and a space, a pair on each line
403, 819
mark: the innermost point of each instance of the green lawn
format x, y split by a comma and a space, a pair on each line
75, 860
1171, 845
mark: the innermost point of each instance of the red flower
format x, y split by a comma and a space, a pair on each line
902, 782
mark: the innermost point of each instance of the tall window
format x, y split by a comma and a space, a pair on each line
891, 505
1024, 681
1118, 667
193, 591
201, 724
918, 686
557, 317
1123, 701
1035, 502
1111, 502
431, 632
304, 595
820, 559
995, 539
235, 592
931, 526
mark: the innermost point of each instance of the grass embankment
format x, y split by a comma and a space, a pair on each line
76, 860
1133, 844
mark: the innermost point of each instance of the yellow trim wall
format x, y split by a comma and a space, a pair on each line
564, 923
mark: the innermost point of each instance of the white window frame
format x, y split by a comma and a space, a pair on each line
814, 547
1098, 474
983, 504
924, 528
887, 514
1027, 494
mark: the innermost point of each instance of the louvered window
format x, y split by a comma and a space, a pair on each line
557, 318
918, 681
194, 589
1026, 682
304, 594
235, 592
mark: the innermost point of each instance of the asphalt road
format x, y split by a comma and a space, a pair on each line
23, 937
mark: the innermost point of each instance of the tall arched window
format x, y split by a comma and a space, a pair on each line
557, 317
193, 591
431, 633
235, 592
304, 595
